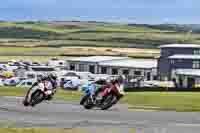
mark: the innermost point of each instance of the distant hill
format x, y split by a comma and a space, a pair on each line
99, 34
195, 28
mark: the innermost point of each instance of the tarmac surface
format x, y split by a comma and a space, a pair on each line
70, 115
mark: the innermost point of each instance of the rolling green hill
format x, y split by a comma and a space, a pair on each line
75, 33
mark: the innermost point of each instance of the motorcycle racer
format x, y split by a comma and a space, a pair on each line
47, 83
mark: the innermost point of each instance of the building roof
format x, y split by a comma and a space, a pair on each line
97, 59
188, 72
180, 56
180, 46
131, 63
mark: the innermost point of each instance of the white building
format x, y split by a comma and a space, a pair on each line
145, 68
90, 64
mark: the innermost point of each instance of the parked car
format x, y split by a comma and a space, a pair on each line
155, 83
1, 82
11, 82
2, 67
84, 77
26, 83
11, 67
102, 76
72, 84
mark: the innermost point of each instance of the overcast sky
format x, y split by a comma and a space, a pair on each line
136, 11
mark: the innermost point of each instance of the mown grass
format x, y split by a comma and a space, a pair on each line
17, 91
177, 101
39, 130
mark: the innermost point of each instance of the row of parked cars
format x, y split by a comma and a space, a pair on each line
17, 81
66, 79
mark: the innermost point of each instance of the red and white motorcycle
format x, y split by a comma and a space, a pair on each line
112, 95
39, 92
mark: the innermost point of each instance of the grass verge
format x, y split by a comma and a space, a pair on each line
52, 130
38, 130
64, 95
176, 101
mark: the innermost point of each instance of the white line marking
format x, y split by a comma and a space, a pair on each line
12, 97
187, 125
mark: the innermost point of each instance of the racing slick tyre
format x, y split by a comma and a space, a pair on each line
108, 101
37, 97
87, 103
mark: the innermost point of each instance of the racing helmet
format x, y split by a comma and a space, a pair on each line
53, 76
112, 80
117, 79
100, 82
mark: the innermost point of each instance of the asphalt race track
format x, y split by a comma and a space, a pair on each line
60, 114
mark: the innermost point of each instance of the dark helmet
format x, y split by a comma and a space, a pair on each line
113, 80
117, 80
53, 76
101, 82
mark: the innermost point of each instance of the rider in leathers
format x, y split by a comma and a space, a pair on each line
117, 83
52, 78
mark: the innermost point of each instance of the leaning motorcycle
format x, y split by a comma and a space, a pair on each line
36, 94
111, 95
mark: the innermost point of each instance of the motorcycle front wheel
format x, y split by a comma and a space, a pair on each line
108, 101
37, 97
87, 102
25, 102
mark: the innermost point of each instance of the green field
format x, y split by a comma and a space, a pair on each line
42, 59
43, 54
57, 34
175, 101
178, 101
57, 38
